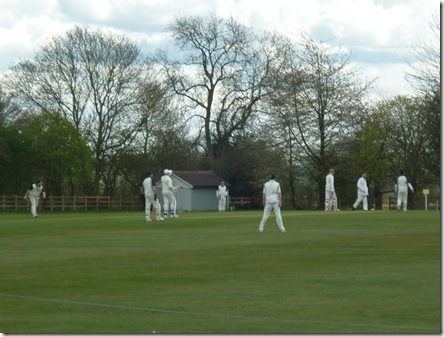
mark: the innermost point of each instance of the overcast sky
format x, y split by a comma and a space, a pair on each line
379, 33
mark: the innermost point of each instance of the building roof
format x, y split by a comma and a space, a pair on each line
201, 178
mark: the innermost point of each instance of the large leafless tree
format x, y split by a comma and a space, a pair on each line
320, 102
221, 77
425, 79
91, 77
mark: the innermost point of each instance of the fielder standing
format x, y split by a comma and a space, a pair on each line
402, 186
169, 200
221, 195
272, 200
33, 193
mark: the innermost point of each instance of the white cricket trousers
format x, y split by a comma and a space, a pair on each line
274, 206
402, 200
362, 198
34, 204
329, 194
169, 202
222, 203
149, 199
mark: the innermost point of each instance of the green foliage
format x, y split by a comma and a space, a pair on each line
59, 154
373, 155
396, 138
211, 273
432, 119
16, 160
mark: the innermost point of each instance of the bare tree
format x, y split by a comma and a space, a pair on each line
425, 80
162, 138
320, 102
424, 76
91, 77
221, 77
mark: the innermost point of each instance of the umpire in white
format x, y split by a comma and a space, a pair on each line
403, 186
272, 200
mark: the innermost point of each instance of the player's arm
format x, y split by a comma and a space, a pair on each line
361, 186
27, 192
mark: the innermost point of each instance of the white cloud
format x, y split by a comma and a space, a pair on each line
390, 79
87, 10
23, 28
378, 32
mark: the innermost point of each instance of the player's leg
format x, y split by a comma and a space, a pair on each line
335, 202
357, 202
147, 208
173, 206
34, 202
157, 210
166, 205
279, 222
404, 200
327, 199
364, 203
267, 212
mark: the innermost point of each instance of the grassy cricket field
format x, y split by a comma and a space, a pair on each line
207, 272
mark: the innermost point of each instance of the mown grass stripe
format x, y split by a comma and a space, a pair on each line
178, 312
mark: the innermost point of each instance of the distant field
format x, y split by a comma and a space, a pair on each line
208, 272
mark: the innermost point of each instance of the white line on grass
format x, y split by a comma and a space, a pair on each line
217, 315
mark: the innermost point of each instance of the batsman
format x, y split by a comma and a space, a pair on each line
150, 192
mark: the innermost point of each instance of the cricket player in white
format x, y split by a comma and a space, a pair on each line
221, 194
169, 200
272, 200
150, 191
362, 193
33, 193
329, 190
402, 186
